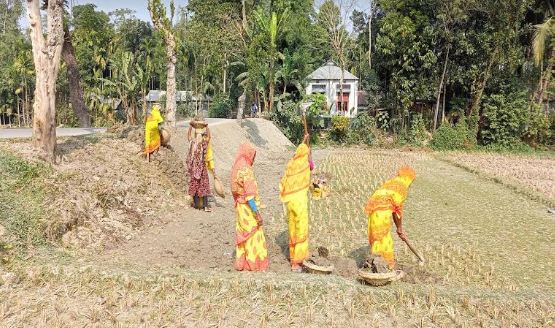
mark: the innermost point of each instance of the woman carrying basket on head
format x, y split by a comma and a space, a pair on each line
200, 160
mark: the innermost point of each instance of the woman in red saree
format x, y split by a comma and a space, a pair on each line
251, 252
199, 183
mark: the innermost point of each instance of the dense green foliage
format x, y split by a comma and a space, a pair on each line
458, 137
488, 63
21, 200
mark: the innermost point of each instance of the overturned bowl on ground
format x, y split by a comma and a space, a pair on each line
380, 279
312, 267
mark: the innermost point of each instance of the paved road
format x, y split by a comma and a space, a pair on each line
13, 133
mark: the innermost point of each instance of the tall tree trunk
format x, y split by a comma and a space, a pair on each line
46, 57
244, 12
171, 101
370, 34
163, 24
545, 79
272, 87
224, 77
74, 77
440, 87
480, 86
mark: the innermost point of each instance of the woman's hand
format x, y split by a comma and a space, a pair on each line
401, 234
258, 218
306, 137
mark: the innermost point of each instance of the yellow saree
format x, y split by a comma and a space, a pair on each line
293, 188
251, 251
385, 201
152, 134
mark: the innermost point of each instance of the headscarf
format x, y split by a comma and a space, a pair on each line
297, 174
155, 115
243, 183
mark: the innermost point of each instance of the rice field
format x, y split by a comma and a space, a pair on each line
488, 249
473, 232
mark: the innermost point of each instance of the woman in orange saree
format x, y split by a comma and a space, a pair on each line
385, 204
251, 252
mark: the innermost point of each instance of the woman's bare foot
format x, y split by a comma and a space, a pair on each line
207, 209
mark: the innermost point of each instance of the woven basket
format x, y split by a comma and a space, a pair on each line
380, 279
313, 268
219, 187
198, 124
165, 136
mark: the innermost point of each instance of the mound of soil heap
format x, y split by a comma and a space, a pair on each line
320, 257
376, 264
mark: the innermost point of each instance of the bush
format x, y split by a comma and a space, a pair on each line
186, 109
339, 128
418, 135
453, 138
509, 120
288, 118
363, 129
66, 116
221, 108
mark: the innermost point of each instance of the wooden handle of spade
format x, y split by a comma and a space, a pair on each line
420, 258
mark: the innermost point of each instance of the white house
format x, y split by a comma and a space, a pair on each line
326, 79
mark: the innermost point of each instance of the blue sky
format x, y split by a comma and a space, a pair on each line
141, 12
140, 6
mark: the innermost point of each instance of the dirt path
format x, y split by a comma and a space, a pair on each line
197, 240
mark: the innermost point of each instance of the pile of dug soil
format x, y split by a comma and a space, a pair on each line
102, 192
376, 264
167, 160
320, 257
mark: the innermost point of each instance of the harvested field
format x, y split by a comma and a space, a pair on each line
488, 248
536, 174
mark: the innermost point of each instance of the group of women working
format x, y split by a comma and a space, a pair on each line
251, 249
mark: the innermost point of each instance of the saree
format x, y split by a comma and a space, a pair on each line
199, 183
251, 251
152, 135
385, 201
293, 187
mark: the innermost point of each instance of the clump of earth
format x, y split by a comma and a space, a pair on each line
376, 264
320, 257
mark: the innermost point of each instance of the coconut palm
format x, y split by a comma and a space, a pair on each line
544, 38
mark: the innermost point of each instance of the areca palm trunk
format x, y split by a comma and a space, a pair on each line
545, 79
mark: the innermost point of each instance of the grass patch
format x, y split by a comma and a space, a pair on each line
21, 200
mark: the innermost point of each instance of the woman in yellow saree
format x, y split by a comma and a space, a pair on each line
251, 252
152, 132
387, 203
294, 186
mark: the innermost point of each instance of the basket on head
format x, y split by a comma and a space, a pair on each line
380, 279
219, 187
198, 124
165, 136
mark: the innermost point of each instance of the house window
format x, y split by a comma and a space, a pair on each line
342, 102
346, 87
318, 88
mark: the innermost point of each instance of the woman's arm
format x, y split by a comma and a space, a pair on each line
399, 223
